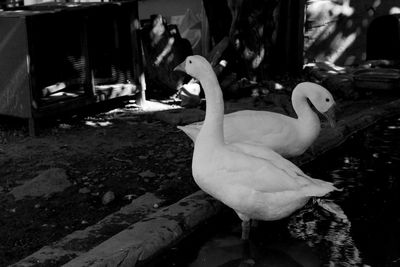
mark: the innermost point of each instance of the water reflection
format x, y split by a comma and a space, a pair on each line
329, 235
311, 237
368, 170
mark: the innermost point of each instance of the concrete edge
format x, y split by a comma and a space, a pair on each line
81, 241
156, 232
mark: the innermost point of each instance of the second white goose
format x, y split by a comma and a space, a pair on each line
285, 135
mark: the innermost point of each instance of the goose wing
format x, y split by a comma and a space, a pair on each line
269, 155
256, 126
240, 169
229, 166
253, 127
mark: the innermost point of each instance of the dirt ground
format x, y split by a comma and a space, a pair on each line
102, 161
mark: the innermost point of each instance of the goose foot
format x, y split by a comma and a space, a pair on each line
245, 229
247, 260
247, 263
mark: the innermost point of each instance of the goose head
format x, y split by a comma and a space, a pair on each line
322, 100
196, 66
199, 68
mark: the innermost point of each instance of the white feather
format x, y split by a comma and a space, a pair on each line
285, 135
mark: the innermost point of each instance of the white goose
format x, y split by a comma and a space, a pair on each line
285, 135
257, 183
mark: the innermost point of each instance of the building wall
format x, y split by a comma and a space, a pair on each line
336, 31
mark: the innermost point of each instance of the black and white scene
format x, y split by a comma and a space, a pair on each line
199, 133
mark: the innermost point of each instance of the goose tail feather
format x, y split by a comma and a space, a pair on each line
190, 131
319, 188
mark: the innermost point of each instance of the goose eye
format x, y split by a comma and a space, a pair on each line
327, 99
190, 61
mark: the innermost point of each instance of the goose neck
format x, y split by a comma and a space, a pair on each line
213, 123
302, 107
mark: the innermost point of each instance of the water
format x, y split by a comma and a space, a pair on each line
367, 168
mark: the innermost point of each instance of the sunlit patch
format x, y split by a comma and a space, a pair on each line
136, 24
65, 126
376, 3
278, 86
334, 8
98, 123
393, 127
341, 43
132, 111
346, 9
149, 106
394, 10
223, 63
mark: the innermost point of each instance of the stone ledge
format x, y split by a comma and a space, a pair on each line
156, 232
81, 241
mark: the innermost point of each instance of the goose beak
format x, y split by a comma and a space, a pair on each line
330, 116
180, 67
